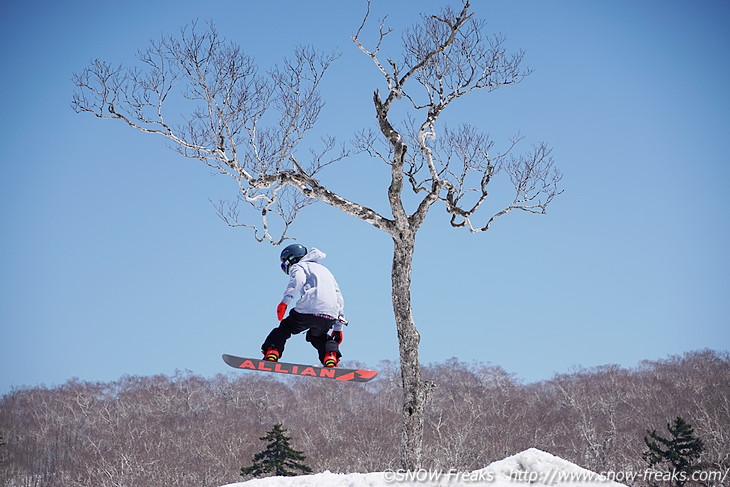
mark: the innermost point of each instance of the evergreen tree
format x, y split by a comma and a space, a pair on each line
278, 457
681, 451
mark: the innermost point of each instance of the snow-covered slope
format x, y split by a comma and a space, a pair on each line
531, 466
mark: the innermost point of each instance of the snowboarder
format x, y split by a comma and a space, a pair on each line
320, 307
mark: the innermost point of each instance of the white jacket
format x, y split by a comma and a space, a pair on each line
318, 288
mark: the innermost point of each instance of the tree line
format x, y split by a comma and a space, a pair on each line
188, 430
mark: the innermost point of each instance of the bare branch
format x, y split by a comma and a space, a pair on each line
241, 122
449, 56
382, 32
534, 179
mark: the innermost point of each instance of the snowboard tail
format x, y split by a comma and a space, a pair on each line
337, 373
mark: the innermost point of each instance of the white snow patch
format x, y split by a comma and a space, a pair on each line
530, 468
535, 466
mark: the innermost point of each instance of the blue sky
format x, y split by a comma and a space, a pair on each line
114, 261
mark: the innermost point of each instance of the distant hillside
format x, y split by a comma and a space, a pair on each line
188, 430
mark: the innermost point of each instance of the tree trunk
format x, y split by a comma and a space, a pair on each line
415, 390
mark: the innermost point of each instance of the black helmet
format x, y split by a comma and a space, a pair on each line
291, 255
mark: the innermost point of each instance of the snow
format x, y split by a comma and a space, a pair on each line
529, 468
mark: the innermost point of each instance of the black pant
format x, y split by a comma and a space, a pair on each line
316, 326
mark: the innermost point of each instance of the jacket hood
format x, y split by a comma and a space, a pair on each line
314, 255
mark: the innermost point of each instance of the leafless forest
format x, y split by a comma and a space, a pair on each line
188, 430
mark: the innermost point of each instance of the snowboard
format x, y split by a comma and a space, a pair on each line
337, 373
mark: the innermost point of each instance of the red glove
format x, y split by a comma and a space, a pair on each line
336, 336
281, 311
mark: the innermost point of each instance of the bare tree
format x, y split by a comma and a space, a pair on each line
445, 57
249, 125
